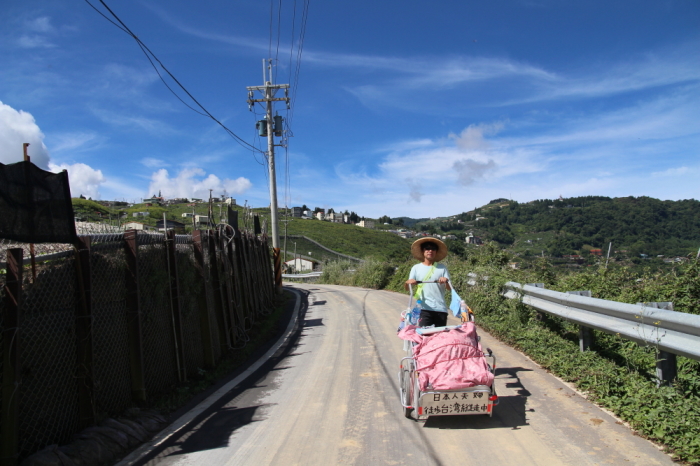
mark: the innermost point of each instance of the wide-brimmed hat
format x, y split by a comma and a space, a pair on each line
418, 252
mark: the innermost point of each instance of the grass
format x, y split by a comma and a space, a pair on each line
352, 240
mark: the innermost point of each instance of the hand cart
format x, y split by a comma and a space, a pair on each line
420, 405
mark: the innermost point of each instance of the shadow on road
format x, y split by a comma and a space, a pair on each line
510, 412
313, 322
217, 429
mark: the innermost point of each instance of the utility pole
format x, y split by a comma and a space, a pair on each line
271, 127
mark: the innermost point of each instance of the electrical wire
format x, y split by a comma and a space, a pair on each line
144, 48
300, 48
279, 32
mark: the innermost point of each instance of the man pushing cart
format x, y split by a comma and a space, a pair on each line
445, 372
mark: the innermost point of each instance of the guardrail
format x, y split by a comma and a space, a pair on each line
672, 333
302, 275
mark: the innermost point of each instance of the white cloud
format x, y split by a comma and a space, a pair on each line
34, 41
469, 170
39, 29
677, 171
40, 24
472, 137
151, 162
72, 141
194, 182
16, 128
83, 179
148, 125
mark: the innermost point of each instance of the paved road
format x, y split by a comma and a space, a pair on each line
331, 398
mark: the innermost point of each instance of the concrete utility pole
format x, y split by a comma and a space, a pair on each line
272, 127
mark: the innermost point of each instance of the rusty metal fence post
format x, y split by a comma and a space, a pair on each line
204, 322
175, 305
138, 379
83, 334
11, 364
224, 339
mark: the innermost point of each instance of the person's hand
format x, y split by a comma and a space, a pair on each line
443, 280
464, 316
411, 281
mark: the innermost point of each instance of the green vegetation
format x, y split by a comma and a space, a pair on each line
351, 240
87, 210
639, 225
369, 274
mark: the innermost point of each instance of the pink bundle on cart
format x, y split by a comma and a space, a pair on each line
449, 360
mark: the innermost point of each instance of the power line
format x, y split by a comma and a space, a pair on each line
144, 48
279, 32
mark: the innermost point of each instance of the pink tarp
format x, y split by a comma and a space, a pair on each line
450, 360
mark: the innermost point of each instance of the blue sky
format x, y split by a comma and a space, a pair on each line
400, 108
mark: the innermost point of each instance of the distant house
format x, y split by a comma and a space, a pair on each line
365, 223
296, 212
596, 252
138, 226
299, 264
320, 215
333, 217
171, 225
141, 214
230, 201
201, 219
471, 239
187, 215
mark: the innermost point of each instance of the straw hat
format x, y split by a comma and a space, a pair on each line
418, 253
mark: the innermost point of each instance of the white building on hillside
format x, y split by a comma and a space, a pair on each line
300, 265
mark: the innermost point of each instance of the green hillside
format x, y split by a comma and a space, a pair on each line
351, 240
634, 225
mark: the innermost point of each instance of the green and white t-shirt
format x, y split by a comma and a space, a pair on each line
432, 295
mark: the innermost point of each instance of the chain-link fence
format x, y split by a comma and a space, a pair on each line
112, 324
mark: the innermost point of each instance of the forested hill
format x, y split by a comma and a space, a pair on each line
641, 225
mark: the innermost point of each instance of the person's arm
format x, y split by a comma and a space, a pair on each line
411, 279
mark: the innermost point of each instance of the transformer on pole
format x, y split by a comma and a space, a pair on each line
270, 127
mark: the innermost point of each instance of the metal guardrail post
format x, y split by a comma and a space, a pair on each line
83, 334
175, 305
133, 312
11, 363
666, 365
204, 322
666, 368
585, 334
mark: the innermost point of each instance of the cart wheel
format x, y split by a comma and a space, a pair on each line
407, 392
